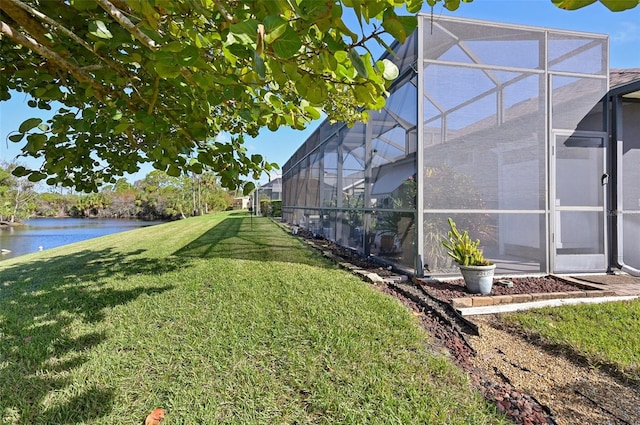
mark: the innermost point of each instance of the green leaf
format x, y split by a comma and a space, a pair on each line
258, 65
313, 112
174, 47
400, 27
20, 171
317, 93
291, 70
89, 114
248, 188
341, 55
274, 123
167, 70
100, 30
328, 61
375, 9
164, 56
273, 100
188, 56
358, 63
363, 95
451, 4
121, 128
619, 5
197, 167
173, 170
36, 176
574, 4
274, 28
29, 124
314, 9
288, 44
16, 137
612, 5
174, 28
203, 80
35, 143
245, 32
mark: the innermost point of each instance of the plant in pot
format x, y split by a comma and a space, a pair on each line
476, 270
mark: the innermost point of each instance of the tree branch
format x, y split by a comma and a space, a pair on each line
31, 26
226, 15
127, 24
156, 82
58, 60
71, 35
49, 21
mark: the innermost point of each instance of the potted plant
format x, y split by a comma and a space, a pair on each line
476, 270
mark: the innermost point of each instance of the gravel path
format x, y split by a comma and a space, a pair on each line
574, 392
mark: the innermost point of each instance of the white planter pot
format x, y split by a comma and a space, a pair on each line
478, 279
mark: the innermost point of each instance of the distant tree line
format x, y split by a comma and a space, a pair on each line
157, 196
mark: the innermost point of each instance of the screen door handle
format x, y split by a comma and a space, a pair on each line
604, 179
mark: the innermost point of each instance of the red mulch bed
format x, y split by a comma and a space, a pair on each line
448, 290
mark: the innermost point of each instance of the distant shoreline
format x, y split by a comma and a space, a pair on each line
11, 224
5, 224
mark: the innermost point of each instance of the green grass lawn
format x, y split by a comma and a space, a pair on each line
605, 334
217, 319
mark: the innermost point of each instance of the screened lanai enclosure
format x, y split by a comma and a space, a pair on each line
504, 128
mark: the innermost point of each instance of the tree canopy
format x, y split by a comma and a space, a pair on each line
159, 80
155, 197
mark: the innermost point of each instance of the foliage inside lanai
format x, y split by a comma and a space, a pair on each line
156, 81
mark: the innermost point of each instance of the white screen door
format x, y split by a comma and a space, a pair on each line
578, 209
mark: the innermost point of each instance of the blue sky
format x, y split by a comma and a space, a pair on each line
623, 29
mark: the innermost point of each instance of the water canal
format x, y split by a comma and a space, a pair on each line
52, 232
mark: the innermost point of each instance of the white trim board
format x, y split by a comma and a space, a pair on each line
508, 308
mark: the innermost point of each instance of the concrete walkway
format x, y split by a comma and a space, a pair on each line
621, 284
619, 287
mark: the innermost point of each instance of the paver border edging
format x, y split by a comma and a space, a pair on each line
490, 300
588, 291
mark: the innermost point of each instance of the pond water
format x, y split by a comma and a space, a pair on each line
52, 232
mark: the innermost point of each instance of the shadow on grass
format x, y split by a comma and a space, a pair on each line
243, 237
48, 309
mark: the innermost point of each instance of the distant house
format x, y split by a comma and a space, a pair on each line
241, 203
511, 130
271, 190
